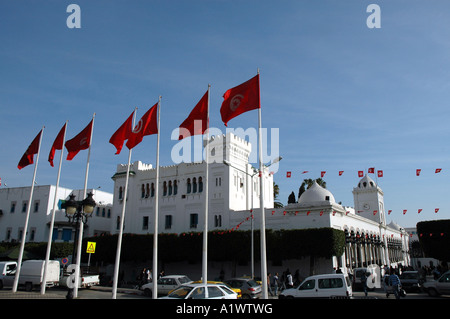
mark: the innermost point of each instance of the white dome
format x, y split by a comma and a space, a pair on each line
315, 194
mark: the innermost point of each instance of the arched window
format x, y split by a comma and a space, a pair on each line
170, 188
194, 185
175, 187
147, 193
188, 185
153, 190
142, 191
164, 188
120, 192
200, 185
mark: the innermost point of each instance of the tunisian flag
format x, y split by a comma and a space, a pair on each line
28, 156
57, 144
80, 142
240, 99
147, 125
199, 113
122, 134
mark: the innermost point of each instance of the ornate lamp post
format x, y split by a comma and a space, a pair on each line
76, 212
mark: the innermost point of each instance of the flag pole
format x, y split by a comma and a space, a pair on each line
206, 183
122, 220
80, 233
25, 227
263, 213
52, 222
155, 233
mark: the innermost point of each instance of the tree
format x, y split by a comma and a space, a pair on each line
276, 192
434, 237
291, 198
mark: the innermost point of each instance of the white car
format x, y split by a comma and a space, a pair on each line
438, 287
200, 291
321, 286
166, 284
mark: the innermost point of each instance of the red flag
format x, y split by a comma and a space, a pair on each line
389, 211
80, 142
57, 144
304, 172
240, 99
436, 210
360, 173
438, 170
380, 173
322, 173
147, 125
122, 134
418, 171
199, 113
28, 156
420, 209
404, 211
341, 172
372, 170
288, 174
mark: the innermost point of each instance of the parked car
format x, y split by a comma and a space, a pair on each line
249, 288
166, 284
198, 291
411, 280
236, 290
320, 286
373, 274
438, 287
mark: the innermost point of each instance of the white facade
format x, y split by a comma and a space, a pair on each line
233, 186
13, 208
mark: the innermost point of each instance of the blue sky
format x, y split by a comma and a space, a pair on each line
344, 97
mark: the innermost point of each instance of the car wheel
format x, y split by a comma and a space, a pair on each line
147, 292
432, 292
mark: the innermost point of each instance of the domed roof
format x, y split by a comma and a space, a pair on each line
366, 182
394, 225
316, 193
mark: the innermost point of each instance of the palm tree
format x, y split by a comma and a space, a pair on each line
276, 192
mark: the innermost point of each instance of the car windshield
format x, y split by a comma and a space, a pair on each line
252, 283
180, 293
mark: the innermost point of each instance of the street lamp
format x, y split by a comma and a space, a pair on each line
76, 212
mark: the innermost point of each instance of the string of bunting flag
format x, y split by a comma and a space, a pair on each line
380, 173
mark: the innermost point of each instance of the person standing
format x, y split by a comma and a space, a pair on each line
275, 283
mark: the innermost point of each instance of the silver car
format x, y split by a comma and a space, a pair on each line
166, 284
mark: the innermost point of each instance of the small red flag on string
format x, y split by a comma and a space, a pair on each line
436, 210
389, 211
371, 170
341, 172
420, 209
418, 171
380, 173
322, 173
360, 173
404, 211
288, 174
438, 170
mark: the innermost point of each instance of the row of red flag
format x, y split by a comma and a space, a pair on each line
237, 100
361, 173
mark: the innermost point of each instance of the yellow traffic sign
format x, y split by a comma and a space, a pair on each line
90, 247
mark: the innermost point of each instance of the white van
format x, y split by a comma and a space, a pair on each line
32, 273
321, 286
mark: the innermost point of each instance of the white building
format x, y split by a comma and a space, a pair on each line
233, 186
13, 208
234, 195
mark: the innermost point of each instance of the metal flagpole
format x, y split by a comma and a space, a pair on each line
52, 222
80, 234
25, 227
206, 183
155, 233
122, 219
263, 213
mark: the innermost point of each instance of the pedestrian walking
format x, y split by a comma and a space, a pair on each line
269, 287
364, 276
394, 281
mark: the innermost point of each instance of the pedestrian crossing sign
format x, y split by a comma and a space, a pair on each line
90, 247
